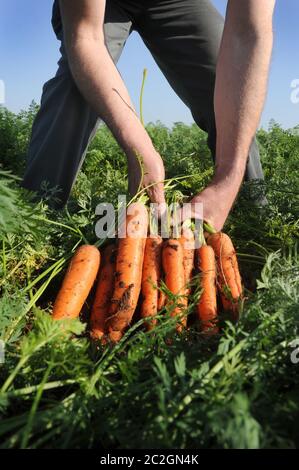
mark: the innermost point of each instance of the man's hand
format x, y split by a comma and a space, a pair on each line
241, 82
102, 86
153, 177
217, 201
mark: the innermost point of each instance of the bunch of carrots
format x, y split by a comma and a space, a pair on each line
133, 271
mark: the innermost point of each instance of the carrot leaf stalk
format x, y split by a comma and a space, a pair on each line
208, 228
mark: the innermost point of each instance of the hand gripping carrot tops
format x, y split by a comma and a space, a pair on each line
128, 275
78, 281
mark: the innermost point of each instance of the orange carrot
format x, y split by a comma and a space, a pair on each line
187, 241
151, 274
229, 278
103, 294
173, 265
77, 283
207, 305
129, 261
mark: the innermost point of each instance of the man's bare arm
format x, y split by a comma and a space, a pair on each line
101, 84
241, 83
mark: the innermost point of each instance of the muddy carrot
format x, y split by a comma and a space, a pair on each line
77, 284
128, 275
173, 265
187, 241
151, 275
103, 294
207, 304
229, 279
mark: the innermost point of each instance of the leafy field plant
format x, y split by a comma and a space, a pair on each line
238, 389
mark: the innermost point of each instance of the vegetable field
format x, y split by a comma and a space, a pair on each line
238, 388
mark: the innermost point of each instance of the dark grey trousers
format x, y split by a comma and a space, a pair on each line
184, 38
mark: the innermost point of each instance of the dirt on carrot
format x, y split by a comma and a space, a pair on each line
129, 262
103, 294
229, 279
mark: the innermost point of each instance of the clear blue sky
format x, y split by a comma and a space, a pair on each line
29, 52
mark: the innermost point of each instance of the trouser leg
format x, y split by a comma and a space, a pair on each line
184, 37
65, 123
